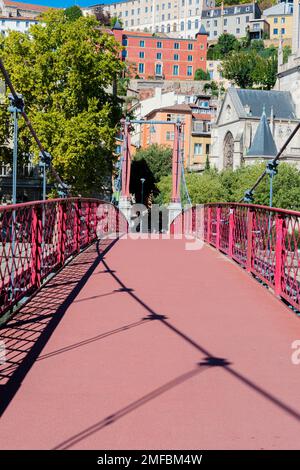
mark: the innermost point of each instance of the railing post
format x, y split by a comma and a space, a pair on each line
36, 246
208, 234
218, 231
76, 223
279, 254
88, 222
249, 239
231, 232
62, 225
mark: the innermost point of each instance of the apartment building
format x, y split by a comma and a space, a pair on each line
17, 16
160, 56
19, 9
177, 18
234, 19
280, 19
196, 134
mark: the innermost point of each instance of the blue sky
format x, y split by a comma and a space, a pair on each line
65, 3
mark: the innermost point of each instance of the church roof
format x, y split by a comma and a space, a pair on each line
202, 31
263, 144
117, 26
250, 103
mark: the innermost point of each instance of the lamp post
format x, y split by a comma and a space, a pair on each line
142, 190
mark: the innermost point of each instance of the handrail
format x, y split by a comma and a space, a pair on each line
263, 240
37, 238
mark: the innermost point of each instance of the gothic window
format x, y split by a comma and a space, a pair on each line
228, 150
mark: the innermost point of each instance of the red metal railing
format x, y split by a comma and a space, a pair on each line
37, 239
263, 240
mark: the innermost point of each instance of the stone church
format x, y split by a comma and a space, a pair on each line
241, 113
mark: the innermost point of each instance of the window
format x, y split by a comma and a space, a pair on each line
238, 30
142, 55
190, 58
225, 21
142, 43
189, 25
196, 24
146, 9
175, 70
215, 33
190, 46
275, 31
126, 13
132, 12
169, 5
158, 69
215, 22
275, 20
282, 20
238, 20
27, 24
162, 17
132, 22
124, 42
197, 149
168, 28
176, 45
2, 21
189, 70
162, 29
157, 7
247, 19
159, 45
170, 135
124, 54
207, 149
282, 30
182, 26
182, 3
141, 68
163, 6
176, 57
158, 55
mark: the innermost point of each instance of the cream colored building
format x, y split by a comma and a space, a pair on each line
280, 19
177, 18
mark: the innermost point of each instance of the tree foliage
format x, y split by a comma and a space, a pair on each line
201, 75
230, 186
249, 68
64, 70
73, 13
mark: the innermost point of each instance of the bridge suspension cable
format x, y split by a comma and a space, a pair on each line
273, 163
30, 127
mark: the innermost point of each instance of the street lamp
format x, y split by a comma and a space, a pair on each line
142, 190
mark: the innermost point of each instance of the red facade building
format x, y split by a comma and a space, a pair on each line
161, 56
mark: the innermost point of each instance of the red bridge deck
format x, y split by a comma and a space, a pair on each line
151, 346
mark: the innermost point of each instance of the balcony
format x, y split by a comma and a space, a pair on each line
201, 128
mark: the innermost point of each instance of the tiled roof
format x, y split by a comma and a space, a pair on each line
25, 6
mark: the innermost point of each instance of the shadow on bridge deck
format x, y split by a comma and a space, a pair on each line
142, 344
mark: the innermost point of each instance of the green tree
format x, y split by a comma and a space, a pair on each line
203, 187
227, 43
238, 67
287, 50
73, 13
64, 70
201, 75
265, 72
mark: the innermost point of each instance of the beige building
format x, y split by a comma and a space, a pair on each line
177, 18
19, 9
280, 19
